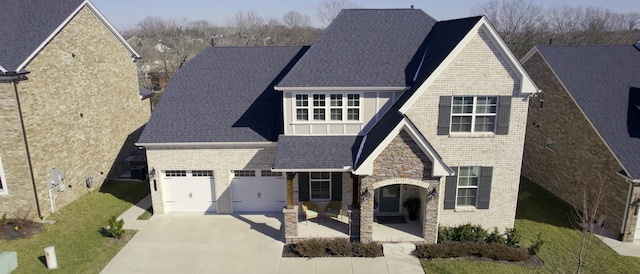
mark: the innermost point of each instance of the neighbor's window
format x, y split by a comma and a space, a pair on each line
467, 186
320, 185
328, 107
244, 173
473, 113
550, 145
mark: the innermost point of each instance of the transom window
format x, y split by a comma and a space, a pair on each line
328, 107
320, 185
473, 114
244, 173
202, 173
176, 173
467, 186
269, 173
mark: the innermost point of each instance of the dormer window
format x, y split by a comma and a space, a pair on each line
334, 107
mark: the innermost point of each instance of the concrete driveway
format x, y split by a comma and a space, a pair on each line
193, 243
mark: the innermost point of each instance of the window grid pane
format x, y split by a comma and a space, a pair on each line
353, 100
302, 114
269, 173
336, 100
461, 124
244, 173
467, 186
353, 114
336, 114
485, 123
318, 114
473, 114
202, 173
176, 173
319, 100
302, 100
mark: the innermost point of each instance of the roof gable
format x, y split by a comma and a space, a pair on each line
364, 48
31, 24
604, 82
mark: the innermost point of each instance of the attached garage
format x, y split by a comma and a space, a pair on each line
189, 191
258, 191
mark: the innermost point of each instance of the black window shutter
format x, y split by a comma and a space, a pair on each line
336, 186
444, 115
484, 187
450, 189
504, 112
303, 186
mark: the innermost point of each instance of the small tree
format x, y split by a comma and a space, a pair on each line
115, 228
584, 219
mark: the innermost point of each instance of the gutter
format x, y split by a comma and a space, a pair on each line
16, 79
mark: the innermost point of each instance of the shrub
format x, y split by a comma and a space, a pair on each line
4, 220
366, 250
535, 247
23, 219
513, 237
115, 227
311, 248
470, 233
339, 247
445, 234
494, 251
496, 237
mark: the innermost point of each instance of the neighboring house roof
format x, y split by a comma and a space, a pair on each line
145, 93
315, 152
224, 94
364, 48
604, 81
26, 26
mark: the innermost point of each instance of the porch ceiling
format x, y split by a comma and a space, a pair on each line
315, 152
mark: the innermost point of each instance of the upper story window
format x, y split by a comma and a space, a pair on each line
473, 114
327, 107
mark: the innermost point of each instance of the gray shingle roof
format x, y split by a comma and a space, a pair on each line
25, 24
605, 82
442, 39
364, 48
224, 94
315, 152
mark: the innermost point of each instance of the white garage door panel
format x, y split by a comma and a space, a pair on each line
258, 194
189, 194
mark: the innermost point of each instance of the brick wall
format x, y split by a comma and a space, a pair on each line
80, 104
478, 69
579, 155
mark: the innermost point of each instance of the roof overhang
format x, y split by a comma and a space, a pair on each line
206, 144
341, 88
13, 76
344, 169
57, 30
623, 173
439, 169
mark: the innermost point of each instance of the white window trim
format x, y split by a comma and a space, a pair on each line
3, 180
458, 187
327, 107
318, 180
473, 116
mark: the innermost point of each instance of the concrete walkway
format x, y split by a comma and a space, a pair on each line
622, 248
191, 243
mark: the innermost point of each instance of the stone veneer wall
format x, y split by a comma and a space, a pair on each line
401, 161
478, 69
579, 155
222, 160
80, 104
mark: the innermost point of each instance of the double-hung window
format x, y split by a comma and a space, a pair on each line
320, 185
467, 186
473, 114
335, 107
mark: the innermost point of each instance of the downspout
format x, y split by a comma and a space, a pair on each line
26, 146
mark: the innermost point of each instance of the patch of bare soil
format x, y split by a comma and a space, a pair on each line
23, 229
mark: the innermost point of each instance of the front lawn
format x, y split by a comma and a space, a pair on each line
540, 211
80, 246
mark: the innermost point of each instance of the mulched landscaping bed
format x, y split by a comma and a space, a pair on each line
332, 248
9, 232
534, 261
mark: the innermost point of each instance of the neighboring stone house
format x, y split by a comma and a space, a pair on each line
584, 128
70, 106
386, 105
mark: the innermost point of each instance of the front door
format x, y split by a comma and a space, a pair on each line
389, 198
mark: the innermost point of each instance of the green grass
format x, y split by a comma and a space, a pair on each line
80, 246
146, 215
540, 211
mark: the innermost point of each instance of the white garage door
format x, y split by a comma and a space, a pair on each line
189, 191
258, 191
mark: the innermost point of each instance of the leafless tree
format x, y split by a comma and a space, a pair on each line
327, 10
519, 22
247, 27
294, 19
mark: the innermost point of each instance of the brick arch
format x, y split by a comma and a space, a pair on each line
400, 181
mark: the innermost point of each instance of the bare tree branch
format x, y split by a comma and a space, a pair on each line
327, 10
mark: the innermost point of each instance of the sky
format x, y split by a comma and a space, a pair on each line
123, 14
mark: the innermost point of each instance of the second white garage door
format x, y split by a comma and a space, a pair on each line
189, 191
258, 191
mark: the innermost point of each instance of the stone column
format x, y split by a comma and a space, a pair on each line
366, 210
290, 224
430, 224
354, 223
290, 203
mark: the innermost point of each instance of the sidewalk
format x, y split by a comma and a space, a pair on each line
130, 216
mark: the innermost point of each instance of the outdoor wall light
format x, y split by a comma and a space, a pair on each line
365, 194
152, 172
432, 194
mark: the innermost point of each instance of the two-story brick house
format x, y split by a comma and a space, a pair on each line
70, 106
386, 105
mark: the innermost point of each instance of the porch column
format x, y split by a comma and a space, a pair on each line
430, 220
366, 209
355, 197
290, 224
290, 203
